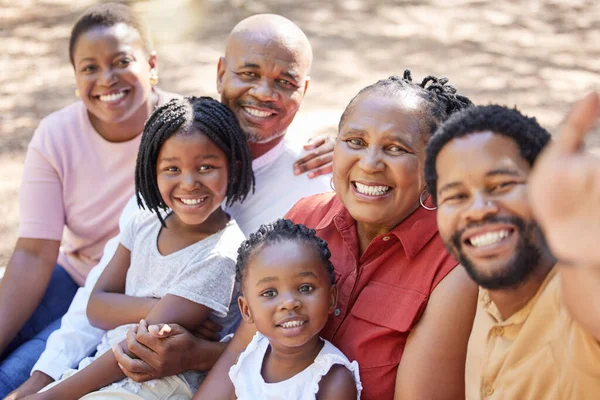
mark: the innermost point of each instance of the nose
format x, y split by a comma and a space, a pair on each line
263, 90
371, 161
481, 208
188, 181
289, 302
108, 77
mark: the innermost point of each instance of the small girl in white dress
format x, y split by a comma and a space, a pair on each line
288, 291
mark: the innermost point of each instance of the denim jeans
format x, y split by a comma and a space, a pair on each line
25, 349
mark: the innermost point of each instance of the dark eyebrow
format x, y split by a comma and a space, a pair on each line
289, 74
503, 171
308, 273
250, 65
85, 60
206, 157
449, 186
267, 280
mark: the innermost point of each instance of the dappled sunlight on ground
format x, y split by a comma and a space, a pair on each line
539, 55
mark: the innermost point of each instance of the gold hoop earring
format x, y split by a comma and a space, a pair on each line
154, 77
423, 203
76, 93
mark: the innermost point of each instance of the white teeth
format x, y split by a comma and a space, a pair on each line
258, 113
488, 238
191, 202
292, 324
109, 98
372, 190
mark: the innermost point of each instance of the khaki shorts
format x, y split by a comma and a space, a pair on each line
169, 388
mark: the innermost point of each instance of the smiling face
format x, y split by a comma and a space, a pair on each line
262, 79
287, 293
378, 159
483, 215
112, 73
192, 176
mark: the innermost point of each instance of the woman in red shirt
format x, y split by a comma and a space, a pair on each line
404, 312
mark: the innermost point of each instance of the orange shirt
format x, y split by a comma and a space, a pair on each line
381, 294
539, 352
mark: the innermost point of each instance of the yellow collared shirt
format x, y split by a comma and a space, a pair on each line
538, 353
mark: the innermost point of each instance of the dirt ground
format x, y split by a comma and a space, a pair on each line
539, 55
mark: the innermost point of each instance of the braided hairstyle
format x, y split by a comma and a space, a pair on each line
440, 98
527, 133
276, 232
107, 15
186, 116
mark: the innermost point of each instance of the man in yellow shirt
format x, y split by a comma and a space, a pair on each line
537, 327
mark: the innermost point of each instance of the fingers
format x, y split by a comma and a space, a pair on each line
137, 370
209, 330
321, 155
315, 142
137, 346
578, 123
162, 331
316, 164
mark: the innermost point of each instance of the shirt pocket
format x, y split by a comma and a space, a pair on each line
383, 317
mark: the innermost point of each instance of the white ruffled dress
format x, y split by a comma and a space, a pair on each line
250, 385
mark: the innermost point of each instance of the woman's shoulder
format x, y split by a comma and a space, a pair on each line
62, 124
314, 209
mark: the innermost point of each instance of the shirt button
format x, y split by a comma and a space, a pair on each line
337, 312
488, 390
385, 238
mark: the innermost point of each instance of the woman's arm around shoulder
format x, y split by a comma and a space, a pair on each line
337, 384
433, 362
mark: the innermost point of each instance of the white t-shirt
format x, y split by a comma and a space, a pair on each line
250, 385
203, 272
277, 188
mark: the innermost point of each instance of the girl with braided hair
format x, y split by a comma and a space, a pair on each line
175, 263
404, 310
288, 291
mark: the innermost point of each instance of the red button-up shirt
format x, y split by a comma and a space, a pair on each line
382, 293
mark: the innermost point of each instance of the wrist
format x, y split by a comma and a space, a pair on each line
205, 354
41, 378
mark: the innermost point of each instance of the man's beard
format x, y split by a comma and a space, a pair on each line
527, 255
252, 137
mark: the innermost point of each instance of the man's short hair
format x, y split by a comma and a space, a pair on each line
527, 133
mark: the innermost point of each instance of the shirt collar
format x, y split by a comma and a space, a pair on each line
520, 316
269, 157
413, 233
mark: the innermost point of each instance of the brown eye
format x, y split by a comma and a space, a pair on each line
355, 143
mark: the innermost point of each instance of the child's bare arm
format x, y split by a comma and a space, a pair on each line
101, 372
178, 310
108, 306
337, 384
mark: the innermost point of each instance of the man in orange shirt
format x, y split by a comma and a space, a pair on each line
537, 327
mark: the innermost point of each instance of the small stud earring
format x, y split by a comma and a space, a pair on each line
154, 77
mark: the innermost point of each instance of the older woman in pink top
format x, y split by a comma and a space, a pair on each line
78, 177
